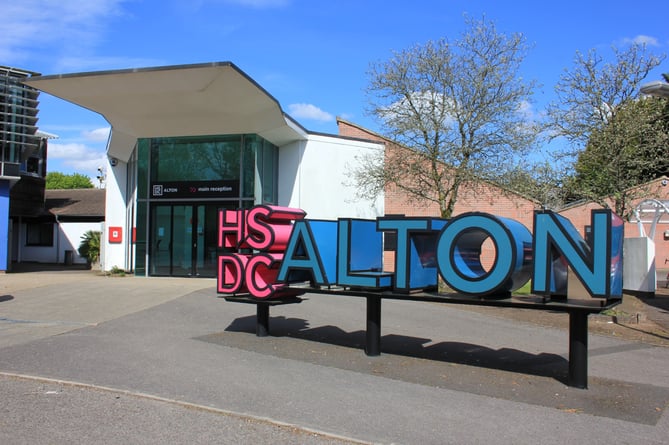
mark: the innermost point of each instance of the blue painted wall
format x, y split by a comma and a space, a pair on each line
4, 223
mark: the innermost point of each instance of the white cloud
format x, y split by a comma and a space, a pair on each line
97, 135
62, 26
642, 40
261, 4
197, 5
310, 112
85, 63
526, 109
421, 103
68, 151
74, 157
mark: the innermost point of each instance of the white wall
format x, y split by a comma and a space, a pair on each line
67, 236
114, 254
40, 254
70, 238
315, 176
639, 273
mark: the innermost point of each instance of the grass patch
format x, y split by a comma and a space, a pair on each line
116, 272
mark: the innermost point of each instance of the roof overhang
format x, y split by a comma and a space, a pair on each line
656, 88
184, 100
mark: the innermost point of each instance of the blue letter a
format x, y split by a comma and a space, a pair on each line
302, 260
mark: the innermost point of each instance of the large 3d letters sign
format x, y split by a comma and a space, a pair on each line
258, 236
276, 247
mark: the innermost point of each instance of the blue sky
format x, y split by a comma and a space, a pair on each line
311, 55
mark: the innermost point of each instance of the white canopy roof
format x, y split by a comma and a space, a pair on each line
653, 211
183, 100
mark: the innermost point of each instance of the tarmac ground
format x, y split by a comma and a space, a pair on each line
88, 358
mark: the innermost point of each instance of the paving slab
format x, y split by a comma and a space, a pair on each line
63, 412
446, 375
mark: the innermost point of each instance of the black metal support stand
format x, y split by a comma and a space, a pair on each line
373, 347
262, 320
262, 310
578, 349
578, 321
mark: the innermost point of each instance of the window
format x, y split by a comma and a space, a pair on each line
39, 234
32, 165
195, 159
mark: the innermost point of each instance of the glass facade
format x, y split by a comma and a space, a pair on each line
22, 162
18, 123
182, 182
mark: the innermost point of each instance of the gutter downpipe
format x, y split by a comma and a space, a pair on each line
58, 239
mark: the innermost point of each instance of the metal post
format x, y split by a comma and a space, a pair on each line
578, 349
373, 347
262, 320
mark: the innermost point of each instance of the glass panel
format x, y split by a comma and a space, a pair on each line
182, 240
39, 234
259, 170
246, 204
140, 241
199, 241
207, 240
161, 241
142, 168
269, 173
248, 167
195, 159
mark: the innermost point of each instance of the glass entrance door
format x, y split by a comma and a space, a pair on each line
184, 240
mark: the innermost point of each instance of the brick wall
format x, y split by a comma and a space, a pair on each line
497, 201
478, 197
658, 189
481, 197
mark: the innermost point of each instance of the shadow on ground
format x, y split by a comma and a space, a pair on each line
508, 374
660, 302
513, 360
26, 267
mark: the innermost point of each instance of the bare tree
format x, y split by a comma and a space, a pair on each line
591, 93
458, 111
618, 142
538, 180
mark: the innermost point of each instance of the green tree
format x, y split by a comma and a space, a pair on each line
57, 180
623, 155
598, 112
459, 109
89, 247
541, 181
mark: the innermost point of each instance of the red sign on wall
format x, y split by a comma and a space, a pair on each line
115, 234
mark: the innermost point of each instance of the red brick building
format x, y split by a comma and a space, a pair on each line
479, 197
658, 189
489, 198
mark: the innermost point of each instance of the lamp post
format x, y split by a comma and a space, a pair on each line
656, 88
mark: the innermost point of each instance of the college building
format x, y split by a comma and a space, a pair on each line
189, 140
23, 153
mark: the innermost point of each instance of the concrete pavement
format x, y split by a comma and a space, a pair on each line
163, 360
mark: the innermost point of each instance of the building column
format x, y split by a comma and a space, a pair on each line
4, 224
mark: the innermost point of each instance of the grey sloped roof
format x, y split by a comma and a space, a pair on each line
76, 202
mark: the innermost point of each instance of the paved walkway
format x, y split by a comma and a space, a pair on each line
657, 307
91, 359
